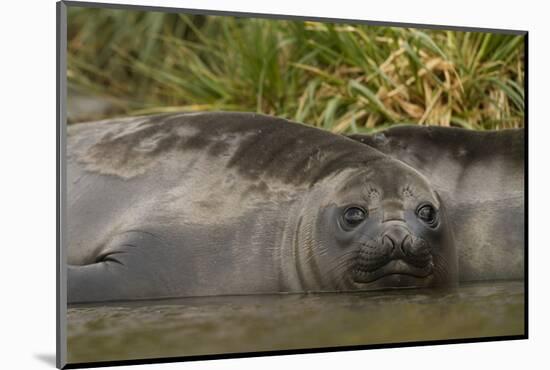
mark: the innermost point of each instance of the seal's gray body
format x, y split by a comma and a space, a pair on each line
167, 213
480, 178
230, 203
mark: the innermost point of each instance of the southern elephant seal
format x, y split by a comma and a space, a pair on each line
481, 179
240, 203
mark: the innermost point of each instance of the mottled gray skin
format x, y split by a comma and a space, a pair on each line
240, 203
480, 178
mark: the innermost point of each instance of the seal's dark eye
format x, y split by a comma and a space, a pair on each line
354, 216
427, 214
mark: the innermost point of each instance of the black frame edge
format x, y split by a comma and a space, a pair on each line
288, 352
526, 182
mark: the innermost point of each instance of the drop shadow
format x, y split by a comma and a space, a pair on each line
47, 358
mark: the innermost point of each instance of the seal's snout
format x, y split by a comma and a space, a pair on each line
399, 243
396, 252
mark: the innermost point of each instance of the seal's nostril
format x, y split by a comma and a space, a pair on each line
406, 245
421, 248
387, 244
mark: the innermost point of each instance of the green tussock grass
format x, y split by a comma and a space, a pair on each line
340, 77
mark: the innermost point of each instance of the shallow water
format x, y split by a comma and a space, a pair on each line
209, 325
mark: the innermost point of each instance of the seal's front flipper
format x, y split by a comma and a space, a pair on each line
94, 283
127, 268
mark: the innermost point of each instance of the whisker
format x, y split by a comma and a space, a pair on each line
344, 261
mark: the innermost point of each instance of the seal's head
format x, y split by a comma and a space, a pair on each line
381, 227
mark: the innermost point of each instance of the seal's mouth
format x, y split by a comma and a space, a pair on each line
361, 273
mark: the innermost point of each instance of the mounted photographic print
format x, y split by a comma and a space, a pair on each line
235, 184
